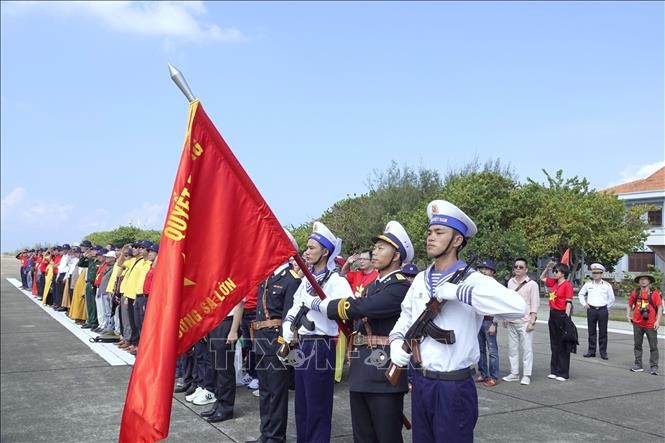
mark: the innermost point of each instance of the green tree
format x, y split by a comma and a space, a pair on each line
488, 197
566, 214
123, 235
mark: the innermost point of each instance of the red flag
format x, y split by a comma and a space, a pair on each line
220, 240
565, 258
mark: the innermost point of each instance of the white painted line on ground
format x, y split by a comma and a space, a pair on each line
108, 351
583, 326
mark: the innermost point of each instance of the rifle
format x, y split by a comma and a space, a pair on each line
299, 320
425, 322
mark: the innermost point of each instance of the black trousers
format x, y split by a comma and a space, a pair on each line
274, 380
134, 335
560, 360
376, 418
59, 285
597, 317
41, 281
225, 371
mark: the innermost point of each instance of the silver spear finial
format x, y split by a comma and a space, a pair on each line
179, 80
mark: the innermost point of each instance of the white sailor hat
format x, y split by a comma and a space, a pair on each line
444, 213
597, 267
396, 235
327, 239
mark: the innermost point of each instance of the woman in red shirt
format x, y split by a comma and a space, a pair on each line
560, 293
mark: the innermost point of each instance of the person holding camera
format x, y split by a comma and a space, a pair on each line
644, 310
561, 305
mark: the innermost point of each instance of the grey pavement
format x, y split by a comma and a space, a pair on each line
55, 389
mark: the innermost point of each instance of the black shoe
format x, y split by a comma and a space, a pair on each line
209, 412
219, 416
603, 356
190, 390
589, 354
86, 326
183, 388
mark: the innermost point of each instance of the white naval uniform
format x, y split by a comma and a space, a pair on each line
478, 295
335, 287
597, 294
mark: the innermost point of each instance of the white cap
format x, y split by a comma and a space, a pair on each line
327, 239
110, 254
597, 267
444, 213
396, 235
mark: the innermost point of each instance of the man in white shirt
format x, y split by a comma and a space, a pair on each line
597, 296
520, 332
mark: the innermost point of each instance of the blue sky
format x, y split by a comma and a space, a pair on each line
312, 97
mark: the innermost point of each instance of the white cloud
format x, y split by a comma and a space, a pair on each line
14, 197
166, 19
19, 208
637, 172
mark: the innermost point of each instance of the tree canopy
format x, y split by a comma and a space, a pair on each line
123, 235
531, 220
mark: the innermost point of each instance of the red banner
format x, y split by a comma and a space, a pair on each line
220, 240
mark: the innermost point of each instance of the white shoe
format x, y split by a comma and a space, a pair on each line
254, 384
256, 393
194, 394
561, 379
552, 376
525, 380
246, 379
205, 398
511, 377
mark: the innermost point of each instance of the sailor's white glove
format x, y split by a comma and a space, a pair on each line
447, 291
286, 332
398, 355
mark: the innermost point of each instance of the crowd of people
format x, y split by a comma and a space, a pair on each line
101, 288
409, 330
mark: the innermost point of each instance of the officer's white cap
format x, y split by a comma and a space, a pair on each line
597, 267
444, 213
396, 235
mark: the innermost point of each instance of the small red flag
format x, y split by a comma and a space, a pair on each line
220, 240
565, 258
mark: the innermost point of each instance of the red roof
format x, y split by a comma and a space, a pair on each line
654, 182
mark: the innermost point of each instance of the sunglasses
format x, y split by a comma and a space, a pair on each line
518, 267
596, 272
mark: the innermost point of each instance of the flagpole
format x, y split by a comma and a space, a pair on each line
180, 81
309, 276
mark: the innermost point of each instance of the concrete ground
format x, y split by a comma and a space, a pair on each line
54, 388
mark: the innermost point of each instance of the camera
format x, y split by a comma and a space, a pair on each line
645, 313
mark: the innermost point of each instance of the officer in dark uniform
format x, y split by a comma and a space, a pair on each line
275, 298
376, 405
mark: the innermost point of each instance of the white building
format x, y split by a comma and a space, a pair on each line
649, 191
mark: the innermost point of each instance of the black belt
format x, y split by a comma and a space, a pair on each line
598, 308
313, 337
461, 374
141, 295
